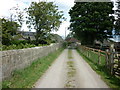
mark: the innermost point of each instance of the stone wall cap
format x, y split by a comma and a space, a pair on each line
14, 50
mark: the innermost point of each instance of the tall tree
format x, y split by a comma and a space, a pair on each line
117, 26
43, 17
91, 21
9, 29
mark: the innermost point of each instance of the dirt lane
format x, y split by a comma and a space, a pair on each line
55, 75
87, 78
70, 73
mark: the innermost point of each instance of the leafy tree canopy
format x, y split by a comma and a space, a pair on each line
9, 29
91, 20
43, 17
117, 25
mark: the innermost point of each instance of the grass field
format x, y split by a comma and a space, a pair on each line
94, 56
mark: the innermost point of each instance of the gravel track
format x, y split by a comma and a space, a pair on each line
77, 75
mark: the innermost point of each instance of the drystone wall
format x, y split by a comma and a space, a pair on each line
18, 59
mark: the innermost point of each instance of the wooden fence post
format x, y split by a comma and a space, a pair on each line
99, 57
107, 59
112, 59
119, 65
88, 53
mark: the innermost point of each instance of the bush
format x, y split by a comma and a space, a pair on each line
20, 44
17, 42
65, 44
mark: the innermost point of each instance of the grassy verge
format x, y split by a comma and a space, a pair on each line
27, 77
111, 81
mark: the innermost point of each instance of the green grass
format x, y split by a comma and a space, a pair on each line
70, 54
26, 78
70, 74
94, 57
111, 81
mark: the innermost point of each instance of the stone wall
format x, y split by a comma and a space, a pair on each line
19, 59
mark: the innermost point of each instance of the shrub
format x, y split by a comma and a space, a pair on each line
17, 42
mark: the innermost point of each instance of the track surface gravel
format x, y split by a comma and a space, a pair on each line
57, 74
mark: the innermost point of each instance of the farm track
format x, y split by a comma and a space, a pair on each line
70, 73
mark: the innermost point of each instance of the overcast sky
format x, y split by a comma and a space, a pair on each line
63, 5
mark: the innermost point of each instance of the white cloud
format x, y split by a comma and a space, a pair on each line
5, 6
63, 5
